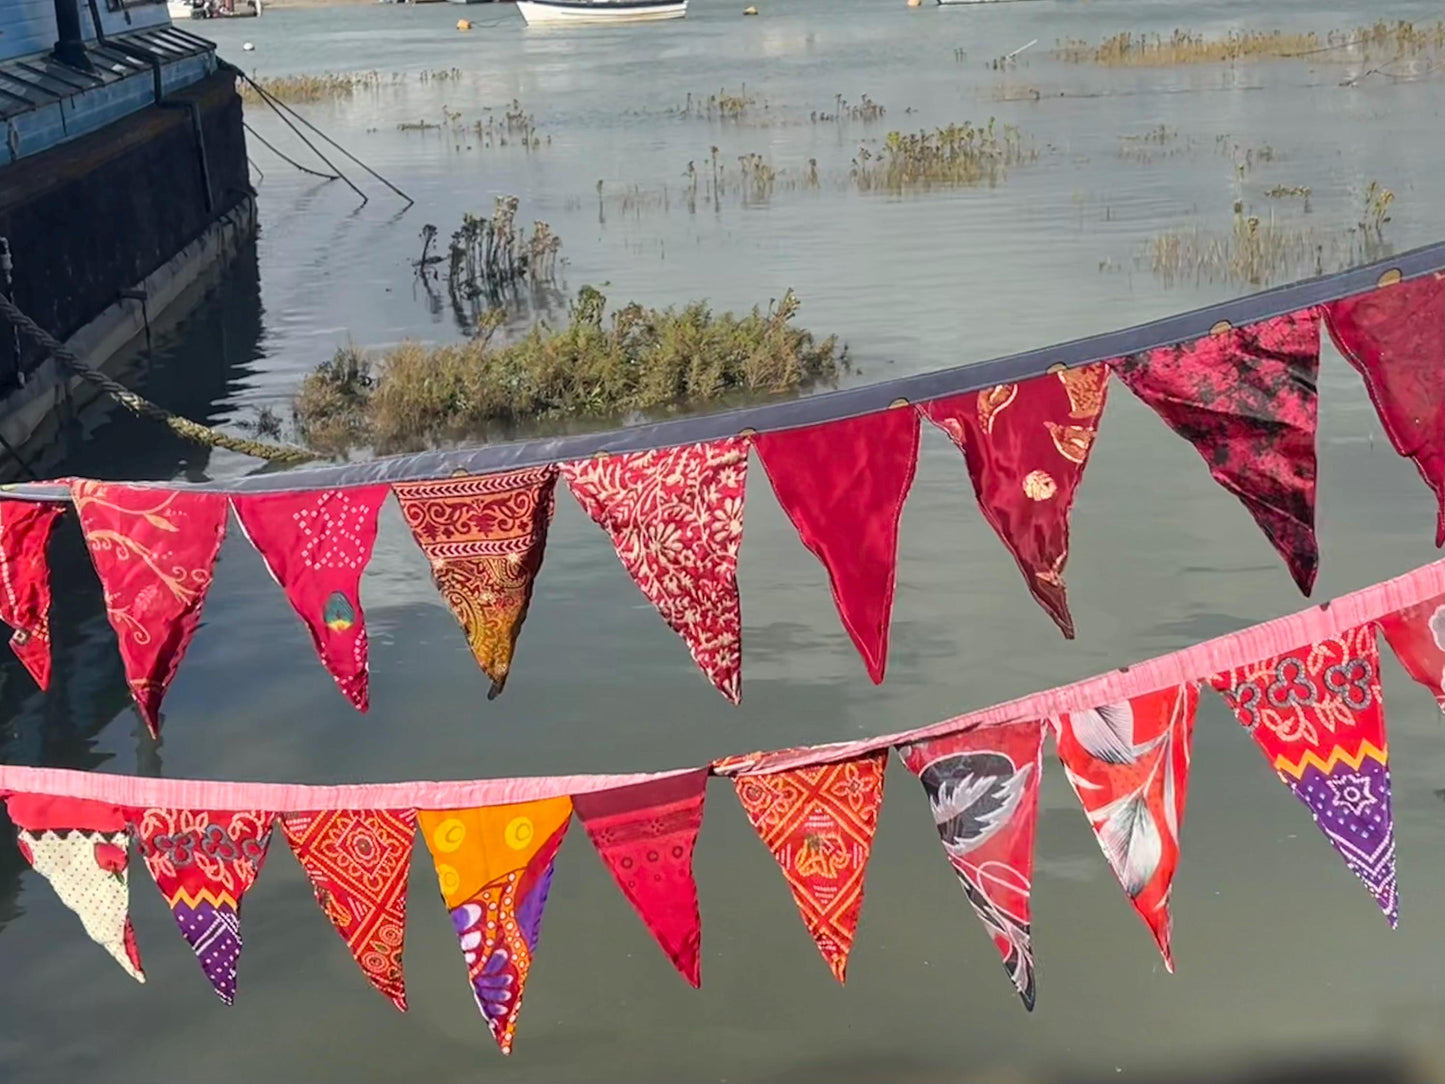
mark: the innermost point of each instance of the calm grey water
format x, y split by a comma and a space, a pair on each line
1284, 962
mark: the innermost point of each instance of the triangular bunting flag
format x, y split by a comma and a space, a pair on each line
357, 861
675, 516
25, 581
1129, 765
79, 846
316, 545
1245, 398
1026, 446
983, 789
484, 538
1395, 337
843, 485
494, 866
203, 861
645, 835
1416, 635
153, 550
818, 822
1319, 716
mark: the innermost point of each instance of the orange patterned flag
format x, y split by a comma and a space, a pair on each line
819, 823
484, 538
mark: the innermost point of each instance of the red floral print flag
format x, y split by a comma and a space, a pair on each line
818, 822
645, 836
154, 551
203, 861
1395, 337
1246, 399
1129, 765
1416, 635
25, 582
983, 790
484, 539
675, 516
79, 846
843, 485
357, 861
1026, 446
316, 545
1319, 716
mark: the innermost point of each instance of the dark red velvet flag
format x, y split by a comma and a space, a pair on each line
1395, 337
316, 546
843, 485
1026, 446
25, 582
1245, 398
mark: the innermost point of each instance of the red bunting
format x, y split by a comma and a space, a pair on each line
316, 545
154, 551
1395, 337
25, 581
645, 836
1245, 398
675, 516
1026, 446
1129, 765
1416, 634
843, 485
983, 791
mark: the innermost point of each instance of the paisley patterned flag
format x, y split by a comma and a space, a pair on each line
357, 861
645, 836
79, 846
1395, 337
1245, 398
484, 538
494, 866
675, 516
316, 545
153, 551
1319, 716
843, 485
1026, 446
1416, 635
818, 822
983, 789
1129, 765
203, 861
25, 582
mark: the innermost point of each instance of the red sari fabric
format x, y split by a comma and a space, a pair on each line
1319, 716
357, 861
983, 790
818, 823
675, 516
154, 551
1026, 446
645, 835
316, 546
1246, 399
1416, 635
1129, 765
843, 485
1395, 337
25, 581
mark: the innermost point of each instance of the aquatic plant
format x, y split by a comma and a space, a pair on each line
865, 111
1286, 191
955, 155
315, 87
1381, 41
720, 106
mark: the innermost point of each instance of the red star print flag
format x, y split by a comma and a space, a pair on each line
1416, 635
1319, 716
316, 545
153, 551
25, 582
843, 485
1026, 446
675, 516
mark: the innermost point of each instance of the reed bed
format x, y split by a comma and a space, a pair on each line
513, 126
722, 106
1381, 42
490, 257
324, 86
958, 155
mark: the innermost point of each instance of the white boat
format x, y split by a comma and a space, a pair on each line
179, 9
556, 12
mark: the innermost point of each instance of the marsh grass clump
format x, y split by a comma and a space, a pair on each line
635, 360
1382, 41
945, 157
315, 88
864, 112
721, 106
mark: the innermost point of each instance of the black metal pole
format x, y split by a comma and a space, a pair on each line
70, 42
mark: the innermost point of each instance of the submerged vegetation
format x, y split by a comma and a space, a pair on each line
638, 359
315, 88
945, 157
1384, 41
513, 126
